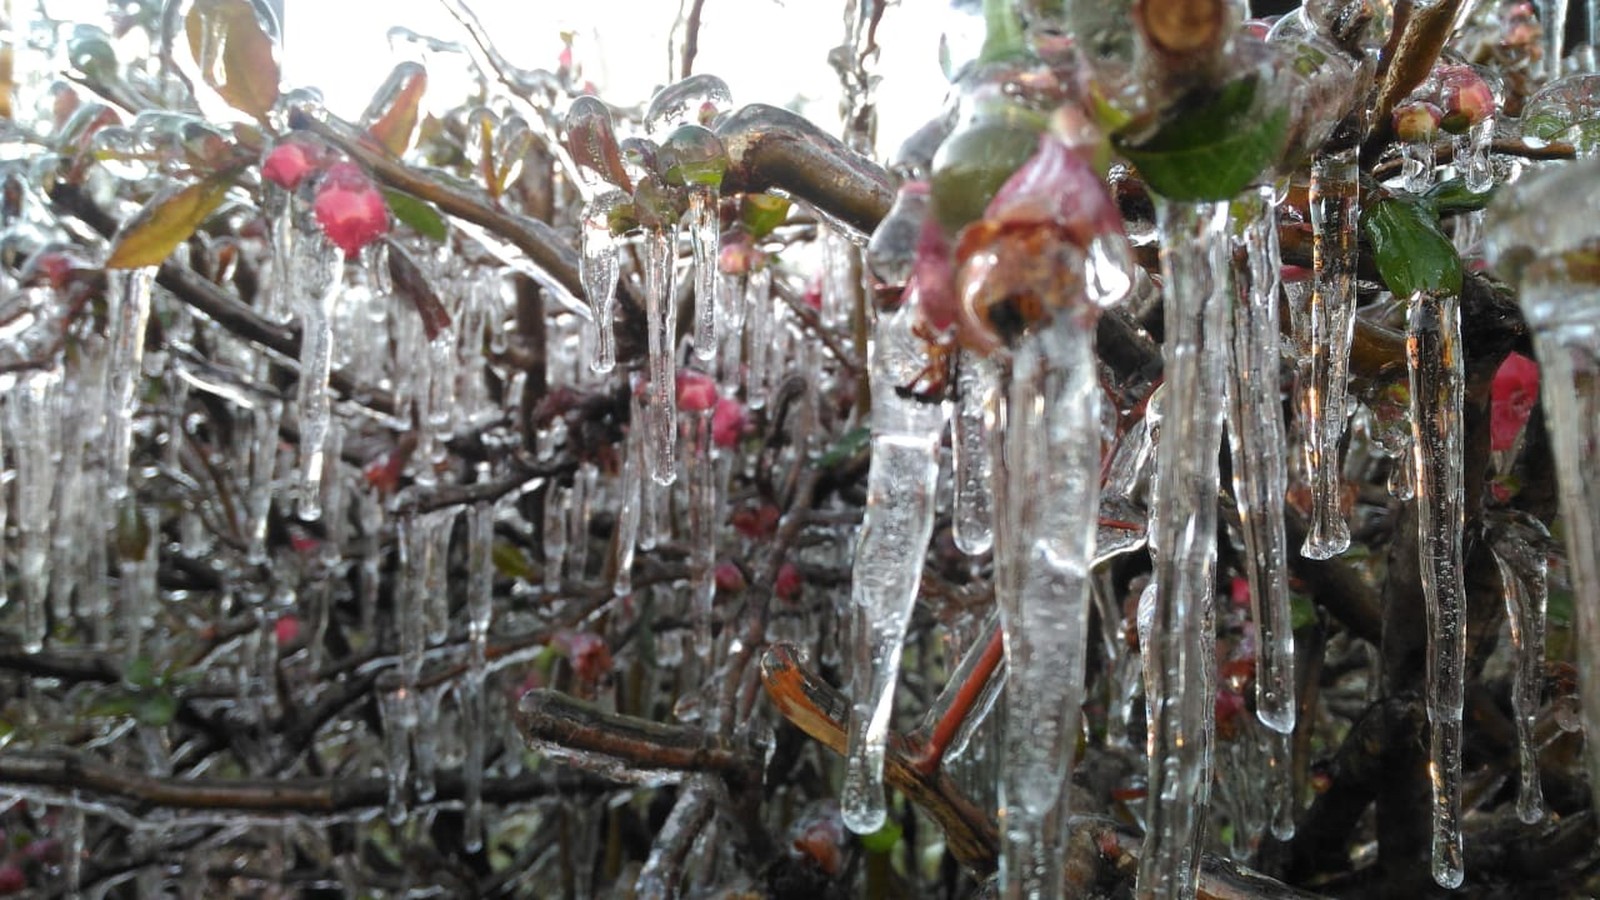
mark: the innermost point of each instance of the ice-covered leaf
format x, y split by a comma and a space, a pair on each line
402, 95
235, 54
1411, 253
165, 222
1211, 148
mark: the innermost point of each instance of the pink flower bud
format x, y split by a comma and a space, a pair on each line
697, 391
288, 164
1465, 96
1513, 392
1417, 121
730, 578
349, 208
788, 583
729, 422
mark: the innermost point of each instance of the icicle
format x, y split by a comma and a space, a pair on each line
1433, 353
1280, 783
1194, 263
1520, 552
127, 370
977, 384
697, 396
758, 331
318, 265
1335, 214
585, 482
1472, 149
1124, 519
1045, 542
474, 706
557, 498
600, 268
1417, 163
136, 575
901, 484
661, 416
34, 405
411, 538
262, 466
629, 508
397, 710
705, 236
1260, 475
435, 528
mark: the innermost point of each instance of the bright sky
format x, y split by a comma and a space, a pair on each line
769, 51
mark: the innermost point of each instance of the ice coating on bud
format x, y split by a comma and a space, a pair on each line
349, 208
692, 155
697, 100
593, 143
1464, 96
1417, 120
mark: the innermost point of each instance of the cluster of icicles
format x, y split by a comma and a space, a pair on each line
1029, 481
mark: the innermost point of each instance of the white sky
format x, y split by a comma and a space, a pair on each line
768, 51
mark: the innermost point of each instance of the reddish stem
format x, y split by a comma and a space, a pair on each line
957, 702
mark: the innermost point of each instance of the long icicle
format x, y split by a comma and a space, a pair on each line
1433, 355
127, 364
1335, 211
705, 237
1521, 545
901, 486
319, 281
660, 259
1048, 512
1194, 260
1260, 473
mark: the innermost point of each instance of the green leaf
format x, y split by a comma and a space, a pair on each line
762, 213
1302, 612
510, 562
141, 672
235, 54
165, 222
1453, 196
1211, 148
852, 442
1410, 251
156, 708
419, 214
884, 839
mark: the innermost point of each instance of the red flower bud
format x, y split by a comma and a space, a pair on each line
788, 583
1513, 393
349, 208
697, 391
729, 422
288, 164
1417, 121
